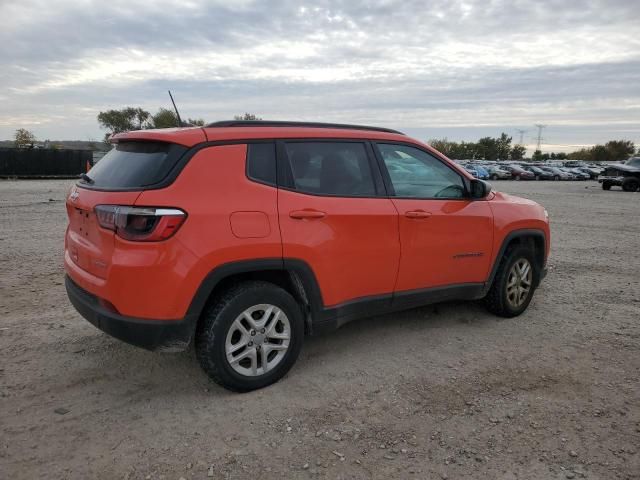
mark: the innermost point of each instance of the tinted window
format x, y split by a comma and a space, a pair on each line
261, 162
330, 168
416, 174
135, 165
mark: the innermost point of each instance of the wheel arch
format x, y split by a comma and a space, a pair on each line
534, 237
293, 275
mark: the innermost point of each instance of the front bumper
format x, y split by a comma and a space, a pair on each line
617, 181
160, 335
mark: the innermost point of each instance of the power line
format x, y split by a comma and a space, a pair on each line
521, 132
539, 126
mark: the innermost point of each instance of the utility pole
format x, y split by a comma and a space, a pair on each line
539, 126
521, 132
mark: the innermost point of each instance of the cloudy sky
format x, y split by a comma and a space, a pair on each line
460, 69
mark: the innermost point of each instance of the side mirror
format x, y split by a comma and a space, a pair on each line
480, 188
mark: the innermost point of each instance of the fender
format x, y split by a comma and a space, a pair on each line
520, 233
302, 278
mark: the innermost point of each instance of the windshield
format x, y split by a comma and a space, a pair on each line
634, 162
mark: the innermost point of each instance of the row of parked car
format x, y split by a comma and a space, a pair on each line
485, 170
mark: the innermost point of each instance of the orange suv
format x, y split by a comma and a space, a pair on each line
243, 237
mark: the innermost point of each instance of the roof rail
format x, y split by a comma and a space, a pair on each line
275, 123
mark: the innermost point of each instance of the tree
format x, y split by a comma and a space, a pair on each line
164, 118
599, 153
537, 156
117, 121
488, 148
517, 152
24, 138
619, 149
503, 146
582, 154
247, 116
443, 145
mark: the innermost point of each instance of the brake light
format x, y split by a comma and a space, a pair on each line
140, 224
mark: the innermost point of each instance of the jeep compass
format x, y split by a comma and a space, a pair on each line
240, 238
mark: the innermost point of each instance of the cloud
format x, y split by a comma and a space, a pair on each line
406, 64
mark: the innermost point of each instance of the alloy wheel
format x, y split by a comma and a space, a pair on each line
519, 282
258, 340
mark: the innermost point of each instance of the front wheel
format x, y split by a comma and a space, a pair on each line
513, 286
250, 336
494, 177
631, 185
606, 185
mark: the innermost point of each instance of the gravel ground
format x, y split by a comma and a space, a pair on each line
445, 391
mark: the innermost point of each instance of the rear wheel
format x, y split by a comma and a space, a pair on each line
514, 283
606, 185
631, 185
556, 177
494, 177
517, 177
250, 336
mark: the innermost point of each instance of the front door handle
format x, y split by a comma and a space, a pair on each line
417, 214
302, 214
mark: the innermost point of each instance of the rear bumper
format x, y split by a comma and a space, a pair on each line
160, 335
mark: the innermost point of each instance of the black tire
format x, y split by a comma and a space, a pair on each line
631, 185
221, 314
496, 300
606, 185
517, 177
556, 178
494, 177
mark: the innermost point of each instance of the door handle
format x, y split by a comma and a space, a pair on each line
302, 214
417, 214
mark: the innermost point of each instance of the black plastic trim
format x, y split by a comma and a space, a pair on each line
226, 270
157, 335
323, 318
521, 233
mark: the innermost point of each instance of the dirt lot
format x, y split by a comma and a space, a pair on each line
445, 391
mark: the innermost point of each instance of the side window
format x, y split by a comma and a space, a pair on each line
261, 162
416, 174
330, 168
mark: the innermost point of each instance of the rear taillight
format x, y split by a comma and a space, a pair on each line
140, 224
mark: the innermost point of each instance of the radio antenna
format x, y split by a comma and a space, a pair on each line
176, 109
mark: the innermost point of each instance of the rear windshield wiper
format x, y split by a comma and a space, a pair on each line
86, 178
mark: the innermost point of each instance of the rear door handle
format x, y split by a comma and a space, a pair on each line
417, 214
302, 214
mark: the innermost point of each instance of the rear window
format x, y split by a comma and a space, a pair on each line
135, 165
